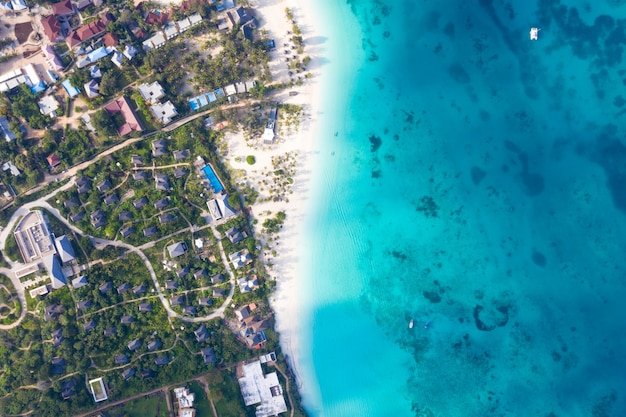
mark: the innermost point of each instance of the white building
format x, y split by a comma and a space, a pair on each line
155, 42
152, 93
48, 105
165, 112
264, 390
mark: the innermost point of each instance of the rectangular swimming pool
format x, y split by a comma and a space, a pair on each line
215, 182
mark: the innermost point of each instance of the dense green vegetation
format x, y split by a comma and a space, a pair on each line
24, 105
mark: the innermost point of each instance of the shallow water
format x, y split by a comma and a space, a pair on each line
478, 183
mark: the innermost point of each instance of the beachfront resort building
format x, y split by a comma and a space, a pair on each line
39, 248
265, 390
184, 398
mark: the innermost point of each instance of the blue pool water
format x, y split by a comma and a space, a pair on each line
215, 182
481, 189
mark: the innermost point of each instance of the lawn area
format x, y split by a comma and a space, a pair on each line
226, 396
201, 403
152, 406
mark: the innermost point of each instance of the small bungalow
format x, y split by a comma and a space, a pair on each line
189, 310
111, 199
127, 231
147, 373
134, 344
158, 147
58, 366
200, 274
83, 185
177, 249
181, 155
161, 203
76, 217
176, 300
166, 218
145, 307
161, 360
90, 325
103, 185
180, 172
125, 216
140, 202
79, 282
217, 278
57, 337
164, 112
205, 302
154, 345
121, 359
121, 289
218, 292
208, 355
139, 289
149, 231
171, 285
181, 273
128, 373
127, 320
139, 175
136, 160
201, 334
53, 160
234, 235
105, 287
162, 182
110, 332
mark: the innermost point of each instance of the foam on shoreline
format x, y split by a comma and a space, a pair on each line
322, 96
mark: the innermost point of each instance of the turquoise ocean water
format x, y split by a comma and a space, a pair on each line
476, 182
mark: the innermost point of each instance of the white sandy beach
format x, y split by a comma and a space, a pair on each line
302, 147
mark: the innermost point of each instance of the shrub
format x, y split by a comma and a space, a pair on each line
250, 159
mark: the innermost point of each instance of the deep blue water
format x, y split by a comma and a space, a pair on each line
478, 183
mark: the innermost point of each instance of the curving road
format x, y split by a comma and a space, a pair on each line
100, 243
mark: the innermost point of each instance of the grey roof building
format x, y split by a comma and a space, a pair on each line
205, 302
208, 354
176, 300
52, 311
218, 292
125, 216
83, 304
166, 218
161, 360
181, 273
127, 319
145, 307
217, 278
177, 249
181, 155
139, 289
171, 285
90, 325
105, 287
201, 273
189, 310
128, 373
234, 235
201, 334
154, 345
161, 182
179, 172
111, 199
79, 282
139, 175
134, 344
83, 185
64, 249
127, 231
103, 185
140, 202
136, 160
110, 332
121, 289
121, 359
161, 203
53, 267
149, 231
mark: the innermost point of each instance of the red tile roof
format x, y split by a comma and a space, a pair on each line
51, 28
110, 39
62, 8
53, 160
153, 18
86, 32
121, 105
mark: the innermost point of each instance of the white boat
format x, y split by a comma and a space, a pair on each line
411, 324
534, 34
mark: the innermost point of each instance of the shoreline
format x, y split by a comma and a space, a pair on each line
300, 147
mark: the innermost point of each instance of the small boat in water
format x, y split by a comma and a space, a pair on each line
411, 324
534, 34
